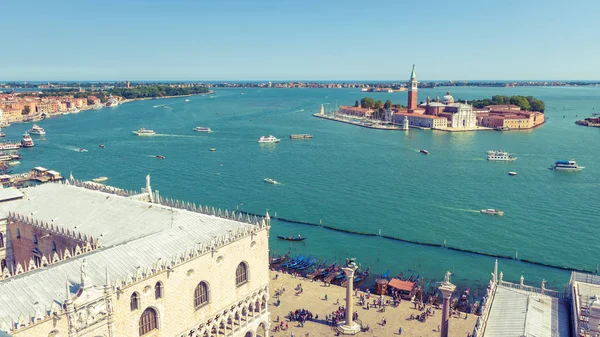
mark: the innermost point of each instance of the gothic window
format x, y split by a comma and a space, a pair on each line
148, 321
134, 304
201, 294
35, 240
18, 234
2, 265
241, 274
54, 246
158, 290
1, 240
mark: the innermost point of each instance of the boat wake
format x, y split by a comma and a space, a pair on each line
461, 209
171, 135
70, 148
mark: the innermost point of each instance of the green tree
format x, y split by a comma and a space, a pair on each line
521, 101
356, 104
367, 103
387, 104
378, 105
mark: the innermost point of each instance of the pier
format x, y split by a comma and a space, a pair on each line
365, 123
37, 175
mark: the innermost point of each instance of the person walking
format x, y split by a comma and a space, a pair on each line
400, 331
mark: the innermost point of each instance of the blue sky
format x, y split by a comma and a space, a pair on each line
304, 40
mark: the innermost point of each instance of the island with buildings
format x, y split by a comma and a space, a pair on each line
591, 121
441, 114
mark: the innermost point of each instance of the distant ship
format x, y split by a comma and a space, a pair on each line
499, 156
100, 179
27, 141
566, 165
271, 181
202, 129
36, 130
8, 146
270, 139
492, 211
144, 132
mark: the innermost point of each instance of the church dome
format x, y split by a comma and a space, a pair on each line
448, 99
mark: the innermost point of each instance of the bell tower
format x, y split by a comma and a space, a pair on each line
412, 91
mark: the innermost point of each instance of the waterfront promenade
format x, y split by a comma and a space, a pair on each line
363, 122
313, 299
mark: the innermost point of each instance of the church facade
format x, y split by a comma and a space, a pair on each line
89, 261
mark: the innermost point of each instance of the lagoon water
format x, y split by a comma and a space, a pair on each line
360, 179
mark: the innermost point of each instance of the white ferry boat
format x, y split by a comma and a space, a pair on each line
9, 146
144, 132
492, 211
100, 179
27, 141
566, 165
270, 139
202, 129
500, 156
271, 181
36, 130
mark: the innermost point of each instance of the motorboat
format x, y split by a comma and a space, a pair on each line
566, 165
512, 173
144, 132
159, 156
499, 155
36, 130
271, 181
2, 134
27, 141
291, 238
301, 136
202, 129
100, 179
423, 151
269, 139
101, 146
187, 100
492, 211
82, 150
212, 149
14, 163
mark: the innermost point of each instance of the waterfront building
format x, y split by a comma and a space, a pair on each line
420, 120
585, 290
82, 259
515, 310
355, 111
458, 115
510, 119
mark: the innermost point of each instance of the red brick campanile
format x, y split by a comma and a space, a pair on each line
412, 91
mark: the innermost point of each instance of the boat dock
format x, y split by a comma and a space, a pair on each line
37, 174
362, 123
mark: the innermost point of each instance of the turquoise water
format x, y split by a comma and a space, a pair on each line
356, 178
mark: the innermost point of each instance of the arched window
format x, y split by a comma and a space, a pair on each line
134, 304
2, 266
35, 241
1, 240
241, 274
158, 290
54, 247
148, 321
201, 294
18, 234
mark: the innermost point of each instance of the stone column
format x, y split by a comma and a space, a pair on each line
446, 288
349, 327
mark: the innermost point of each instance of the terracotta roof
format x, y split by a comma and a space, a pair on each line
417, 115
402, 285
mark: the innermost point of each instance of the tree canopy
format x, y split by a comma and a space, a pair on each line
528, 103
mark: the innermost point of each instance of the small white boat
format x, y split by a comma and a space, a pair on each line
566, 165
202, 129
144, 132
13, 163
492, 211
512, 173
82, 150
187, 100
212, 149
423, 151
271, 181
100, 179
36, 130
269, 139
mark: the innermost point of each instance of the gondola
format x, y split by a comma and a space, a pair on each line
291, 238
